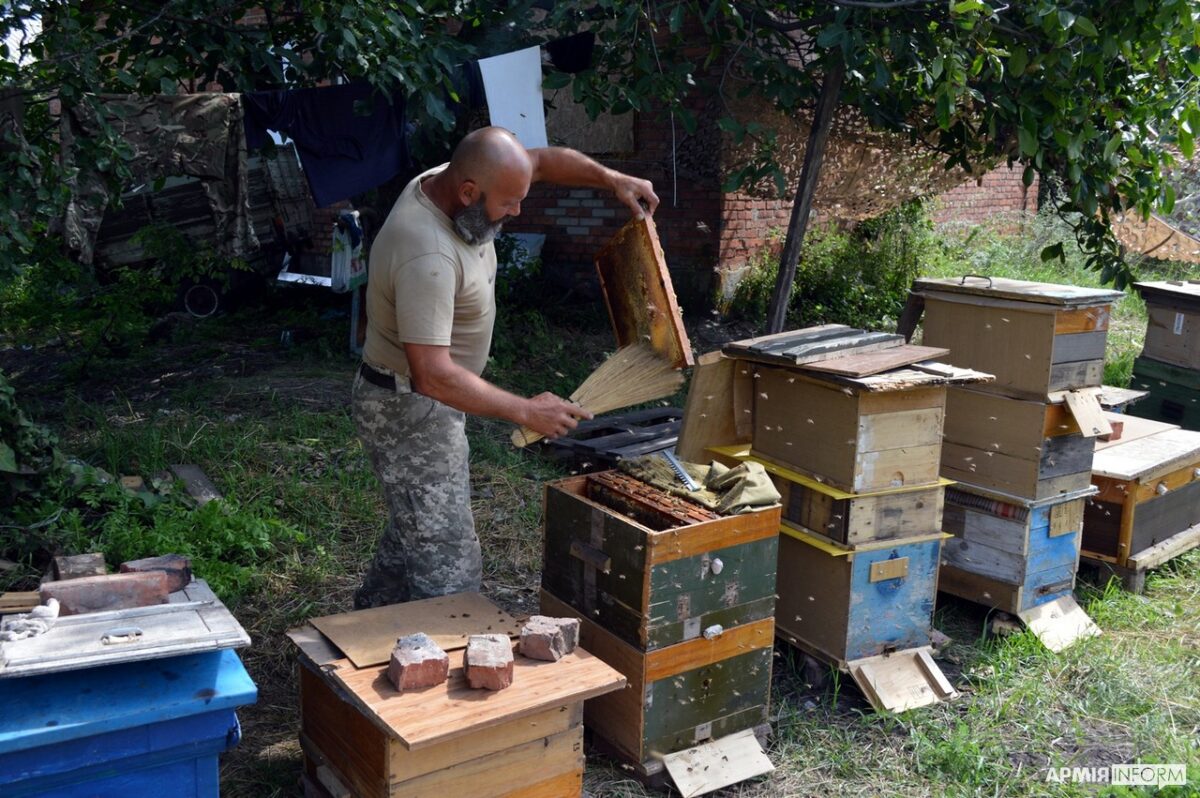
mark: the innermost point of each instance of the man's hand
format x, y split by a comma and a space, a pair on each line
633, 191
567, 167
548, 415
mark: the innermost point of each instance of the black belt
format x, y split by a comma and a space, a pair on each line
376, 377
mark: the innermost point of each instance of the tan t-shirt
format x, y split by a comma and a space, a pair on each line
427, 286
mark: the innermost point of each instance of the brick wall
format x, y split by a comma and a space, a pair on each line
578, 222
998, 199
748, 226
711, 238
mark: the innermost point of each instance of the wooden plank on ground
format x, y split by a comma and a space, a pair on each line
452, 709
864, 365
716, 764
901, 680
367, 637
1059, 623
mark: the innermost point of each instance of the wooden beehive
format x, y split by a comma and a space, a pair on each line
1011, 553
1173, 331
1028, 449
855, 440
1148, 507
653, 569
1036, 338
1174, 393
847, 605
373, 742
679, 695
850, 519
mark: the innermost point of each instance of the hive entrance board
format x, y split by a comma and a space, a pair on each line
720, 763
1059, 623
367, 637
639, 295
902, 680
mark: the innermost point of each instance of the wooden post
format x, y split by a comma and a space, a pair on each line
802, 206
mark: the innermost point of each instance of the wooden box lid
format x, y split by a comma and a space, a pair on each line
638, 292
1065, 296
1180, 294
1148, 457
452, 709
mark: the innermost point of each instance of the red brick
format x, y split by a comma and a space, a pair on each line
177, 568
568, 626
417, 662
488, 663
112, 592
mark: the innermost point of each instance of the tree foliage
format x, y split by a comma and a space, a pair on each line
62, 52
1097, 94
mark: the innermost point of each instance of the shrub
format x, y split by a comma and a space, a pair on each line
858, 277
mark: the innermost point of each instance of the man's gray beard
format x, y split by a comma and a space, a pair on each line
473, 225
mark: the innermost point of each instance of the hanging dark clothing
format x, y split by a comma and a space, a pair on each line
195, 135
344, 149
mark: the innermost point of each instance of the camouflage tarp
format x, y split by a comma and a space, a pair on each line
196, 135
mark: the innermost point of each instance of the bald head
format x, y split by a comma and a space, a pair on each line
492, 158
484, 184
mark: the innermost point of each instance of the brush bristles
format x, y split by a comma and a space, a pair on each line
634, 374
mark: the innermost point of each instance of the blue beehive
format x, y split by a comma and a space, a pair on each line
154, 727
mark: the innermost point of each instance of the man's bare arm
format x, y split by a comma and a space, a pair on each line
435, 375
567, 167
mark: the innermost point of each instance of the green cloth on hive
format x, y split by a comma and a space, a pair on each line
741, 489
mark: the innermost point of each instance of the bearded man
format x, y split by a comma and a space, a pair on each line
430, 310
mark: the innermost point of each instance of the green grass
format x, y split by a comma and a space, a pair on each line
271, 427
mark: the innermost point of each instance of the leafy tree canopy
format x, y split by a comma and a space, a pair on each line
1099, 95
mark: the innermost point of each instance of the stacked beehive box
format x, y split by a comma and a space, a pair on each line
676, 597
1021, 447
1147, 510
1169, 366
849, 424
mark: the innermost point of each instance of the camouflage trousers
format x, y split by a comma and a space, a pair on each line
418, 449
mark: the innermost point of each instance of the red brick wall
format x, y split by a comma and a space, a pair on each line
709, 237
747, 227
578, 222
999, 198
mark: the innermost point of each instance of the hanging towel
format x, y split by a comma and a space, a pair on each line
513, 85
350, 138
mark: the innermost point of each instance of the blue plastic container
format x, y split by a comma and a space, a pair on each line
151, 728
